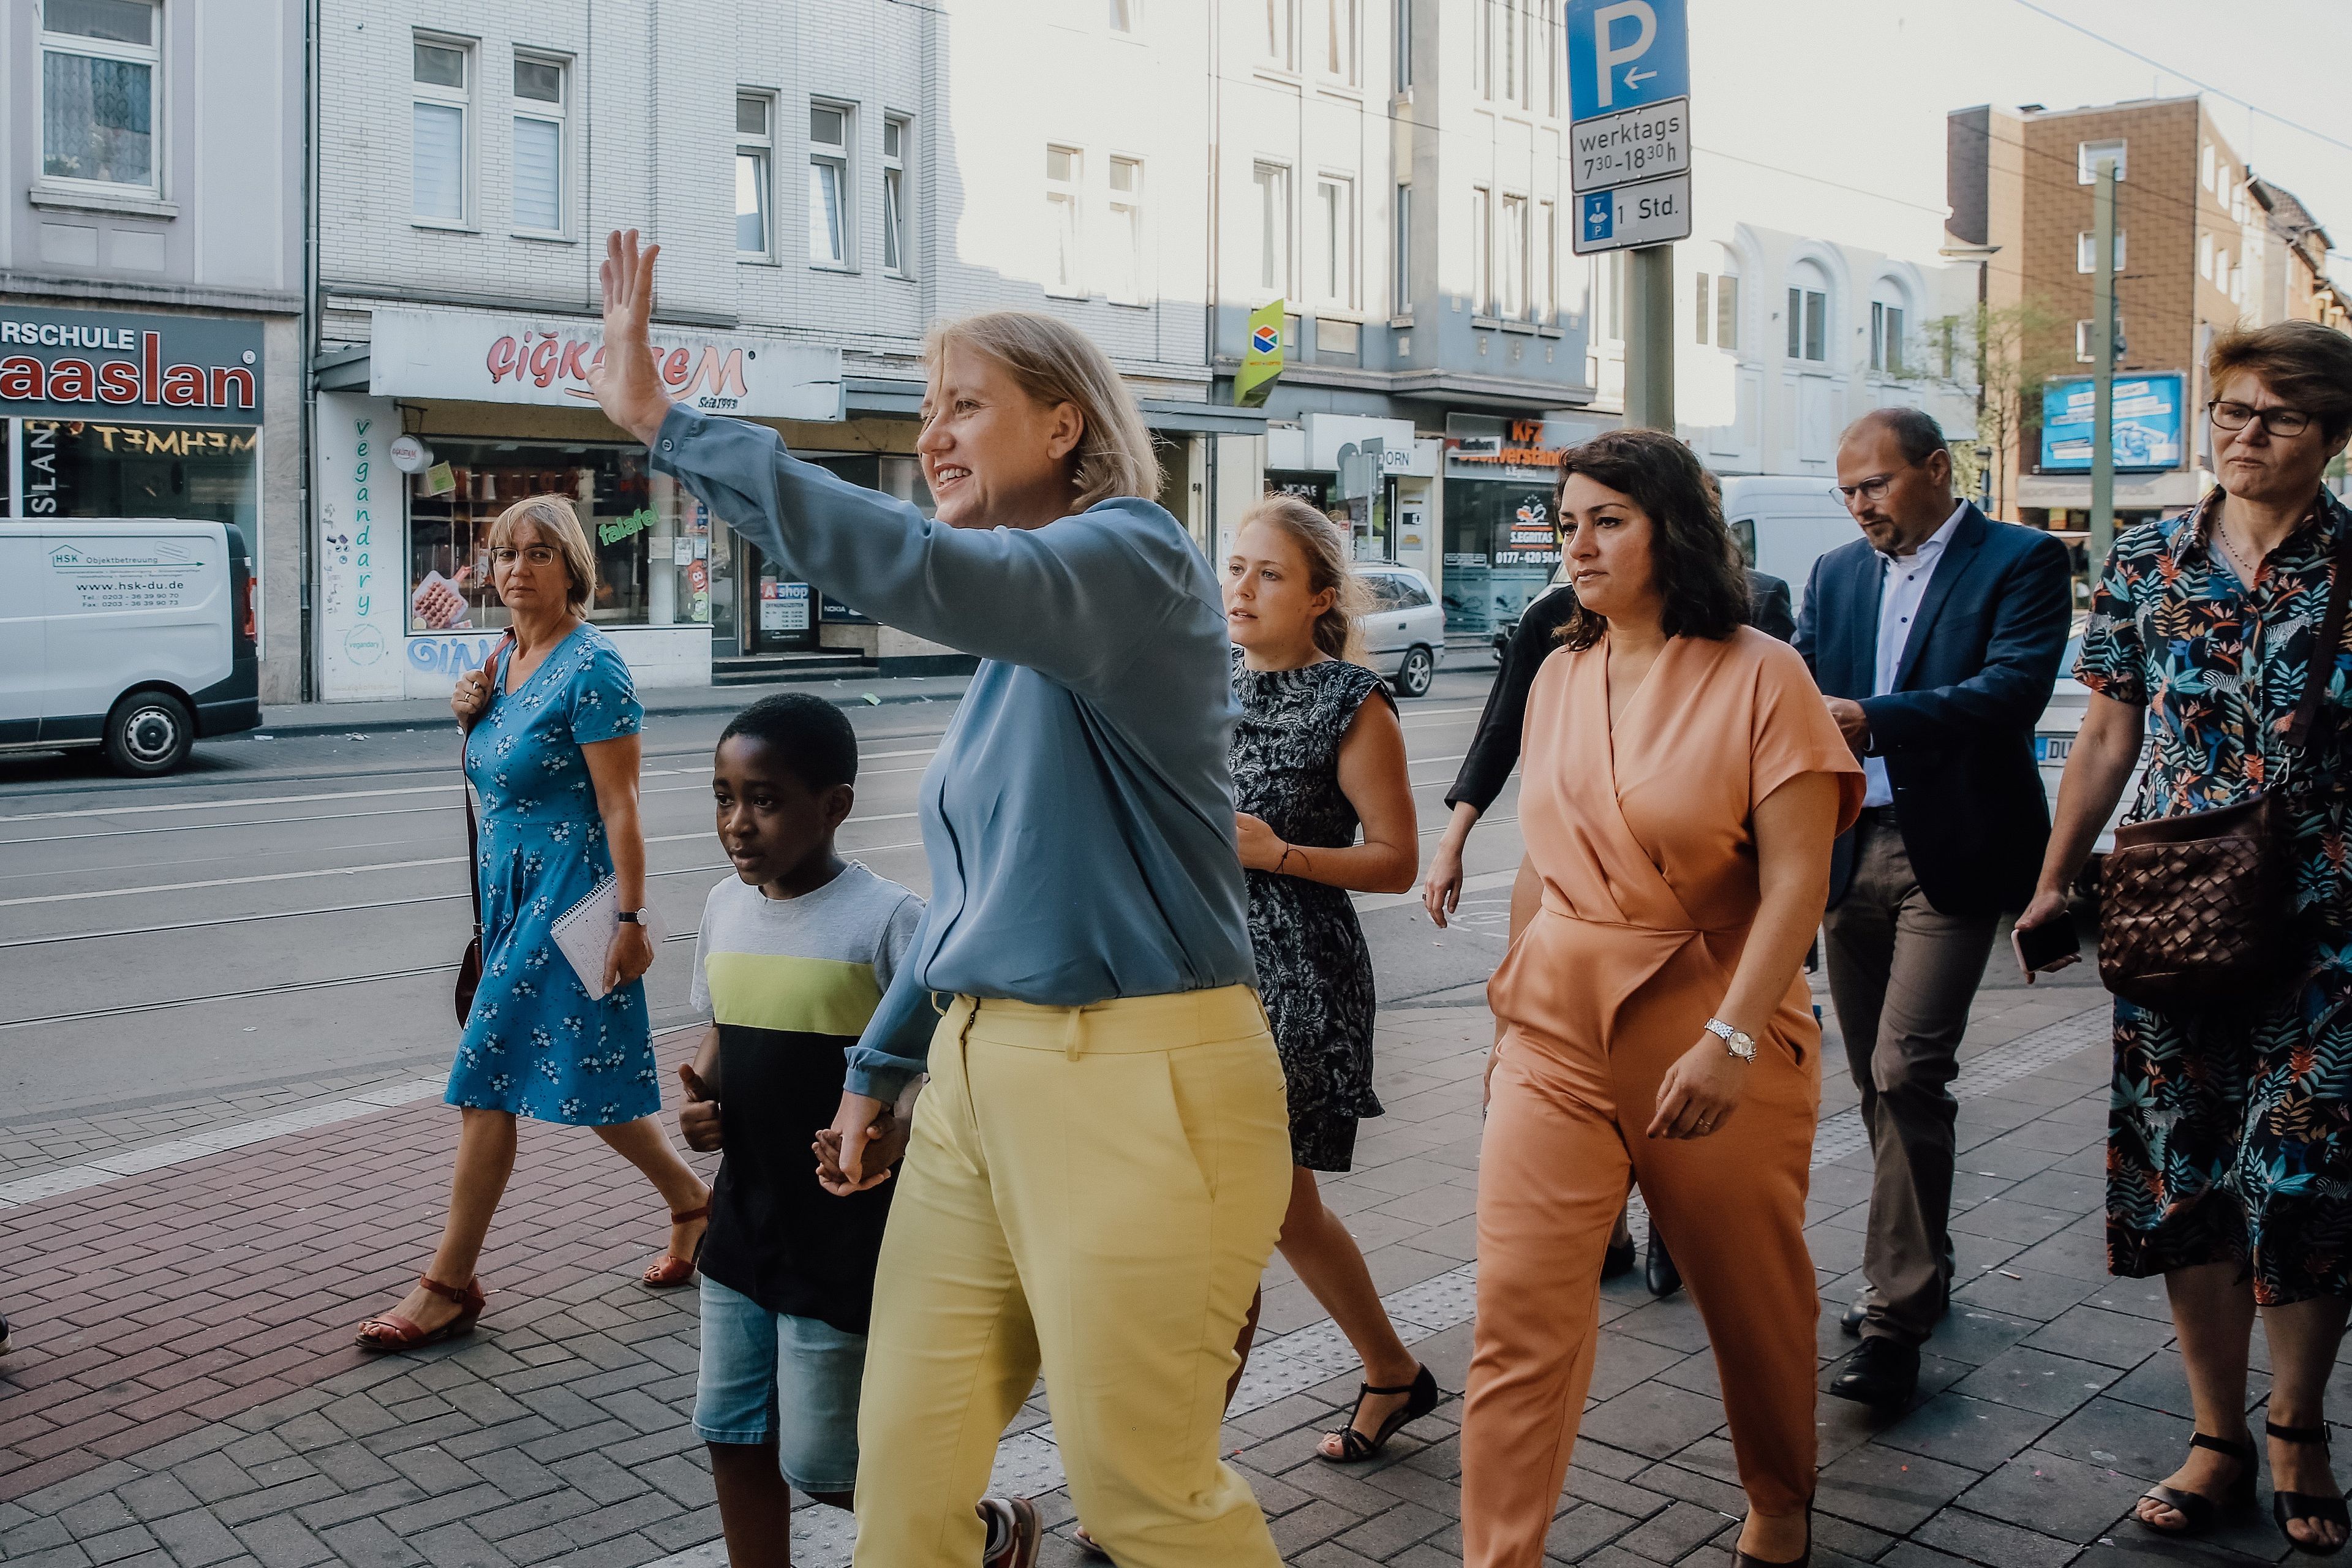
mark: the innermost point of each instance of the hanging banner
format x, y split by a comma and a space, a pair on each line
1262, 359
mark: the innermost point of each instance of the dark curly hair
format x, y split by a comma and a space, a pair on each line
1695, 565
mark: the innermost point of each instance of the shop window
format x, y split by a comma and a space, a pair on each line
829, 188
651, 539
91, 468
755, 151
440, 72
98, 60
1064, 165
1123, 243
538, 145
897, 257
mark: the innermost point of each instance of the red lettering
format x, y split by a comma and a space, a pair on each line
150, 362
542, 362
674, 369
501, 360
569, 369
73, 381
22, 376
184, 386
118, 381
227, 376
719, 377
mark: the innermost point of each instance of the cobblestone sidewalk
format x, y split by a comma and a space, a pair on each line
184, 1393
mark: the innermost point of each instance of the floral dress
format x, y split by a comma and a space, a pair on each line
2230, 1130
1314, 971
535, 1044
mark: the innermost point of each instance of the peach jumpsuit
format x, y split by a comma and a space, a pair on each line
1643, 846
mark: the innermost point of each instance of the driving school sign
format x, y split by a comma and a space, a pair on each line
480, 357
83, 364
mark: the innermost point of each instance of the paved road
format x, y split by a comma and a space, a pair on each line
290, 909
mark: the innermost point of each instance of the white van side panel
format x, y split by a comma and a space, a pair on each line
128, 603
21, 627
1795, 519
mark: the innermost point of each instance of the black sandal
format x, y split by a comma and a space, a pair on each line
2199, 1513
1741, 1560
1354, 1446
2286, 1505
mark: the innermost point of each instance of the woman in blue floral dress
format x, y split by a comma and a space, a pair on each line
2230, 1134
552, 752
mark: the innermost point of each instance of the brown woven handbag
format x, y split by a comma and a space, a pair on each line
2195, 910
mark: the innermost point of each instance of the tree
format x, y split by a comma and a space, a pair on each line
2017, 348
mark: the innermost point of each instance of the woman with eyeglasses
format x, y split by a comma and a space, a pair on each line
552, 750
2229, 1138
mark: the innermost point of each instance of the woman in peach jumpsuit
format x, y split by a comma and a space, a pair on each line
1683, 783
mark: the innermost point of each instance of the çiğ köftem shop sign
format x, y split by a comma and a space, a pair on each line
84, 365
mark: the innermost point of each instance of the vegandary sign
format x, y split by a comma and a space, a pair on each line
83, 364
476, 357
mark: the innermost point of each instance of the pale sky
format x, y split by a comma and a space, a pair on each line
1855, 92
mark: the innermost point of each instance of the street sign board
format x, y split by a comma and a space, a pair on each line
1651, 213
1629, 139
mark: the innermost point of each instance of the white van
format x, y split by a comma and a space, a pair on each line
130, 634
1786, 522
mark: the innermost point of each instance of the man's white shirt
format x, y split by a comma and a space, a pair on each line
1903, 587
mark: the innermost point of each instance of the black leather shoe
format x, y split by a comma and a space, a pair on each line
1881, 1373
1658, 1271
1850, 1322
1619, 1259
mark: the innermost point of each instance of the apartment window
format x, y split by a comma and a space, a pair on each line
1339, 41
1511, 250
1335, 214
2084, 349
1404, 251
1126, 237
1281, 30
438, 104
1700, 314
1482, 271
1510, 49
2087, 155
1403, 44
1727, 311
1886, 337
1062, 166
538, 145
1121, 15
2205, 256
98, 60
894, 250
754, 180
1273, 183
1809, 312
1554, 47
1482, 49
2205, 166
2087, 251
829, 188
1544, 270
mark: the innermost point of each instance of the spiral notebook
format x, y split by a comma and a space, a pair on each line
584, 933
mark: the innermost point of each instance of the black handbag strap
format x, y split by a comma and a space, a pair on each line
465, 785
2331, 636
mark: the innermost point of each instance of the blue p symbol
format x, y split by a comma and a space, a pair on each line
1600, 216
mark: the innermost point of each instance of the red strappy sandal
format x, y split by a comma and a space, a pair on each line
668, 1273
394, 1333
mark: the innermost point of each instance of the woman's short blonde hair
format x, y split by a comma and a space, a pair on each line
552, 519
1053, 363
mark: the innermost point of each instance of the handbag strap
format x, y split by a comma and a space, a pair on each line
465, 786
2331, 636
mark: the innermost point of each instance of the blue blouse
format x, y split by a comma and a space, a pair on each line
1079, 816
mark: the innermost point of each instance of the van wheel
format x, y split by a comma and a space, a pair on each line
149, 732
1414, 675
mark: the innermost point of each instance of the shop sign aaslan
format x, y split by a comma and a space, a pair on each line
144, 379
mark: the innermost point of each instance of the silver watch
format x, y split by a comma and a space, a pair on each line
1738, 1042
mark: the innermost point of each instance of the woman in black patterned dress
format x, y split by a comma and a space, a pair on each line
1313, 759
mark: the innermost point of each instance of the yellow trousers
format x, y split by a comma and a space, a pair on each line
1096, 1191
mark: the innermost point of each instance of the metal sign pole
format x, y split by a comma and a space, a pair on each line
1649, 337
2102, 366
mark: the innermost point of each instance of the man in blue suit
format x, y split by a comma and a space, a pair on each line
1935, 640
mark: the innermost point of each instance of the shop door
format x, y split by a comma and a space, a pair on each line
779, 613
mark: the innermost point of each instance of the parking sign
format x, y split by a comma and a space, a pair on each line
1629, 105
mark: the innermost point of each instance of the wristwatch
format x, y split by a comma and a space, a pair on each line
637, 918
1738, 1042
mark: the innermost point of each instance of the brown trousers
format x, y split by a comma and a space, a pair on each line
1563, 1138
1902, 977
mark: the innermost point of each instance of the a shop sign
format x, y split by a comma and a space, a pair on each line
73, 364
1327, 434
1521, 446
478, 357
359, 550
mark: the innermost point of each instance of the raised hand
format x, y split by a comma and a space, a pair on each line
624, 377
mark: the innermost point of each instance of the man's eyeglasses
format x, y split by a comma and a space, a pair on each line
537, 554
2282, 422
1873, 489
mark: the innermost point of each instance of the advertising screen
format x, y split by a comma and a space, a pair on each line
2148, 424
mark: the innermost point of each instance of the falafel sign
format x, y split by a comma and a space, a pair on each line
480, 357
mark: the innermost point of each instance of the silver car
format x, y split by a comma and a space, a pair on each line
1403, 625
2053, 738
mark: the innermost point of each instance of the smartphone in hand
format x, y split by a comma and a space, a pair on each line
2052, 945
